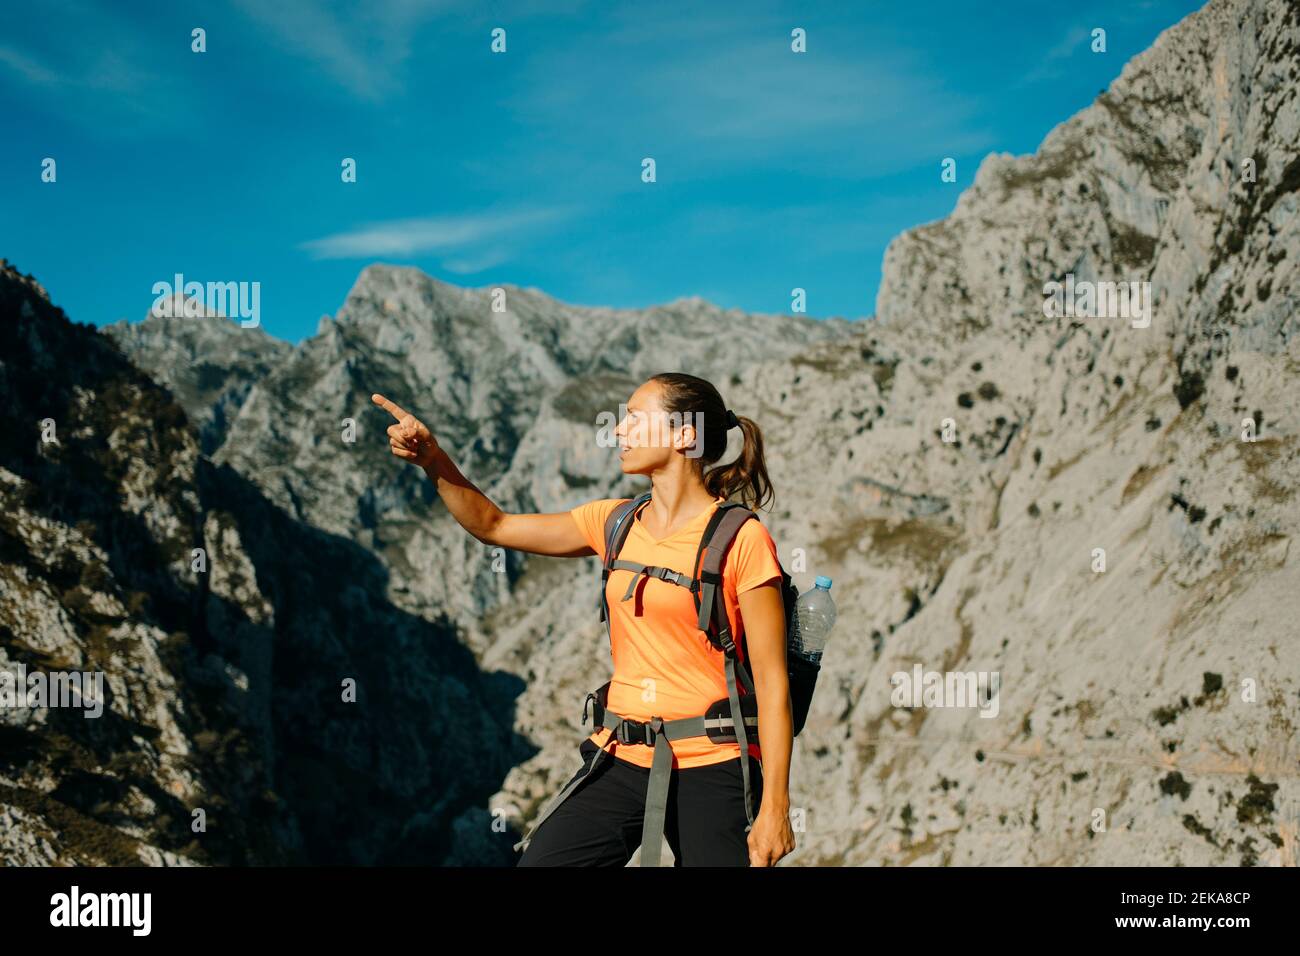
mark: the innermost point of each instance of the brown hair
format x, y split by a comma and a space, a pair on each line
690, 395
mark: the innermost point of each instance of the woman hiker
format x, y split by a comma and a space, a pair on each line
664, 666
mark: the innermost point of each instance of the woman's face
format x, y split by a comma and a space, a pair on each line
648, 437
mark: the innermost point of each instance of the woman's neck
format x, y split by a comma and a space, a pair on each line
673, 504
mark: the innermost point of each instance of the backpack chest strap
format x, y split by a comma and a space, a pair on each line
650, 571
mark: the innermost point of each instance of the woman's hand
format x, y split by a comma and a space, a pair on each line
410, 438
770, 838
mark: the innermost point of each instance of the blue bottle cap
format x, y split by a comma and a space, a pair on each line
822, 582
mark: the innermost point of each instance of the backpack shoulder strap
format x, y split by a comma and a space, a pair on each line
619, 523
617, 526
714, 544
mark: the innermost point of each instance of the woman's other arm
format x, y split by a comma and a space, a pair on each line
763, 612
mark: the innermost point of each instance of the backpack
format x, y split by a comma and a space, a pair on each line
730, 720
706, 590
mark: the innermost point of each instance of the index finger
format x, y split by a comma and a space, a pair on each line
391, 407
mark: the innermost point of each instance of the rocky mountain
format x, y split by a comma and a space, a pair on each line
208, 365
227, 634
1100, 510
514, 392
1147, 711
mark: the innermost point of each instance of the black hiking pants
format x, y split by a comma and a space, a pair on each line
599, 823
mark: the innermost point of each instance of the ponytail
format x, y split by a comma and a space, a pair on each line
747, 475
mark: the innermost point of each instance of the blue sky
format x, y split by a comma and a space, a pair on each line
775, 169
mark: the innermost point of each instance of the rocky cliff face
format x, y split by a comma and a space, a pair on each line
1066, 501
224, 631
208, 365
98, 476
1156, 698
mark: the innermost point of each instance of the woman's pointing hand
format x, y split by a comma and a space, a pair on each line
410, 438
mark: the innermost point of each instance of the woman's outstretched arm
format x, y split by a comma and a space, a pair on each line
555, 534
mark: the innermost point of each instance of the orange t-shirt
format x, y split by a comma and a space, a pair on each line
664, 665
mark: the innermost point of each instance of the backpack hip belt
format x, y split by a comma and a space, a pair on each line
716, 723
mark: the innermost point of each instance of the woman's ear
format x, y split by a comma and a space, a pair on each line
685, 436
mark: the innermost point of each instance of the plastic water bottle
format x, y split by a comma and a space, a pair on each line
814, 618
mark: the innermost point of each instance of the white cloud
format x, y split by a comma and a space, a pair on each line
460, 234
114, 75
361, 47
724, 87
1074, 38
28, 68
472, 264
